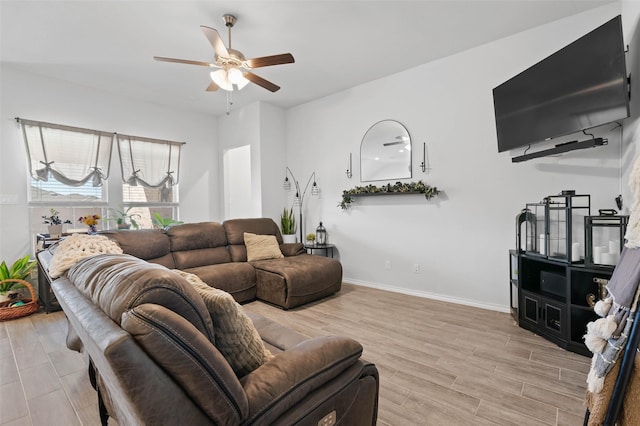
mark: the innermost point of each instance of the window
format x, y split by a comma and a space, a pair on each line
69, 170
150, 173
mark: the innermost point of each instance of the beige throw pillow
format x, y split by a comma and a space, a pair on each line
235, 335
260, 247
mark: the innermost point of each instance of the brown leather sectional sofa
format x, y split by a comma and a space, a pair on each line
149, 337
217, 254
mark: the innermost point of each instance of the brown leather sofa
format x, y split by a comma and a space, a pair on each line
149, 337
217, 254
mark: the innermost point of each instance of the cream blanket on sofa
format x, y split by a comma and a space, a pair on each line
76, 247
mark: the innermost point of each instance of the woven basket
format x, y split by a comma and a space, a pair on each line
30, 306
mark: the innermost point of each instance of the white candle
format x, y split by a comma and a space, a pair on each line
608, 258
614, 246
598, 251
541, 245
575, 252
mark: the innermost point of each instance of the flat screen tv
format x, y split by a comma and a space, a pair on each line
581, 86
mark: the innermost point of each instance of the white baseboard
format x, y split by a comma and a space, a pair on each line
427, 295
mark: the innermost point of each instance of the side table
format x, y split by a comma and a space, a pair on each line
45, 294
327, 248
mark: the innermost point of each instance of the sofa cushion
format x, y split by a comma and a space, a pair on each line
261, 247
235, 229
119, 282
76, 247
295, 373
235, 335
198, 244
151, 245
190, 359
236, 278
296, 280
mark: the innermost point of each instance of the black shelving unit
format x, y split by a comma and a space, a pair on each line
554, 298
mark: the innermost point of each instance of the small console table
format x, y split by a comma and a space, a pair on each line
47, 298
327, 248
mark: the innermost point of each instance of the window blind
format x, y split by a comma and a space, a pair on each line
151, 163
73, 156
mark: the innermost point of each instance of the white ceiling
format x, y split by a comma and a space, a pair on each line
109, 44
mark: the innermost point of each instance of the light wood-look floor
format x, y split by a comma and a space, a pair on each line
439, 364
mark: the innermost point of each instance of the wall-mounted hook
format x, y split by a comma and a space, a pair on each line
349, 171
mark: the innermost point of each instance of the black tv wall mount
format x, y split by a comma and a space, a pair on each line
562, 148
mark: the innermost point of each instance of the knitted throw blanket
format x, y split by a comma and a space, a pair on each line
607, 336
76, 247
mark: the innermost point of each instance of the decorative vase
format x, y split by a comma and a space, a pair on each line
289, 238
55, 231
92, 230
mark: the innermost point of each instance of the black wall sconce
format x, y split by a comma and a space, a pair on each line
424, 166
349, 171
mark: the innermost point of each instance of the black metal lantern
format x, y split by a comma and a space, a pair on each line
565, 226
321, 235
604, 236
527, 220
536, 228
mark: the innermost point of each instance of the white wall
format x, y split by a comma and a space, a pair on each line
237, 182
261, 126
461, 239
38, 98
631, 134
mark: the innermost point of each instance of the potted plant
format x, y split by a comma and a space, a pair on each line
20, 269
54, 223
164, 222
311, 238
288, 226
124, 219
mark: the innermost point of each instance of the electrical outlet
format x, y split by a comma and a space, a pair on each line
387, 264
416, 268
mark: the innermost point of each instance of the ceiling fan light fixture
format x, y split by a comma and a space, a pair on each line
234, 75
243, 82
221, 79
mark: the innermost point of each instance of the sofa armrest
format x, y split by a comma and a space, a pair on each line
292, 249
286, 379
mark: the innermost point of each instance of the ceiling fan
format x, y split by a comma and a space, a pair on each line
234, 69
400, 140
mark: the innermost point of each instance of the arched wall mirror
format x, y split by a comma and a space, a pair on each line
385, 152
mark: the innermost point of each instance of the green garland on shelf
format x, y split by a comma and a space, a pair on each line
399, 187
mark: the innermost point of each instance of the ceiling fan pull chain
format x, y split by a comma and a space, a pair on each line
229, 102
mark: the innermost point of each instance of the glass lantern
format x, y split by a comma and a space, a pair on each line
535, 229
321, 235
604, 236
566, 223
522, 228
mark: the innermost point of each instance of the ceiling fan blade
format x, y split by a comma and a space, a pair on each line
213, 87
184, 61
215, 40
265, 61
261, 81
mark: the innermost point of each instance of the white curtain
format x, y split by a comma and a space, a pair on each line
151, 163
72, 155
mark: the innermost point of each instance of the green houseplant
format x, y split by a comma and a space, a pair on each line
164, 222
123, 218
20, 269
288, 225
